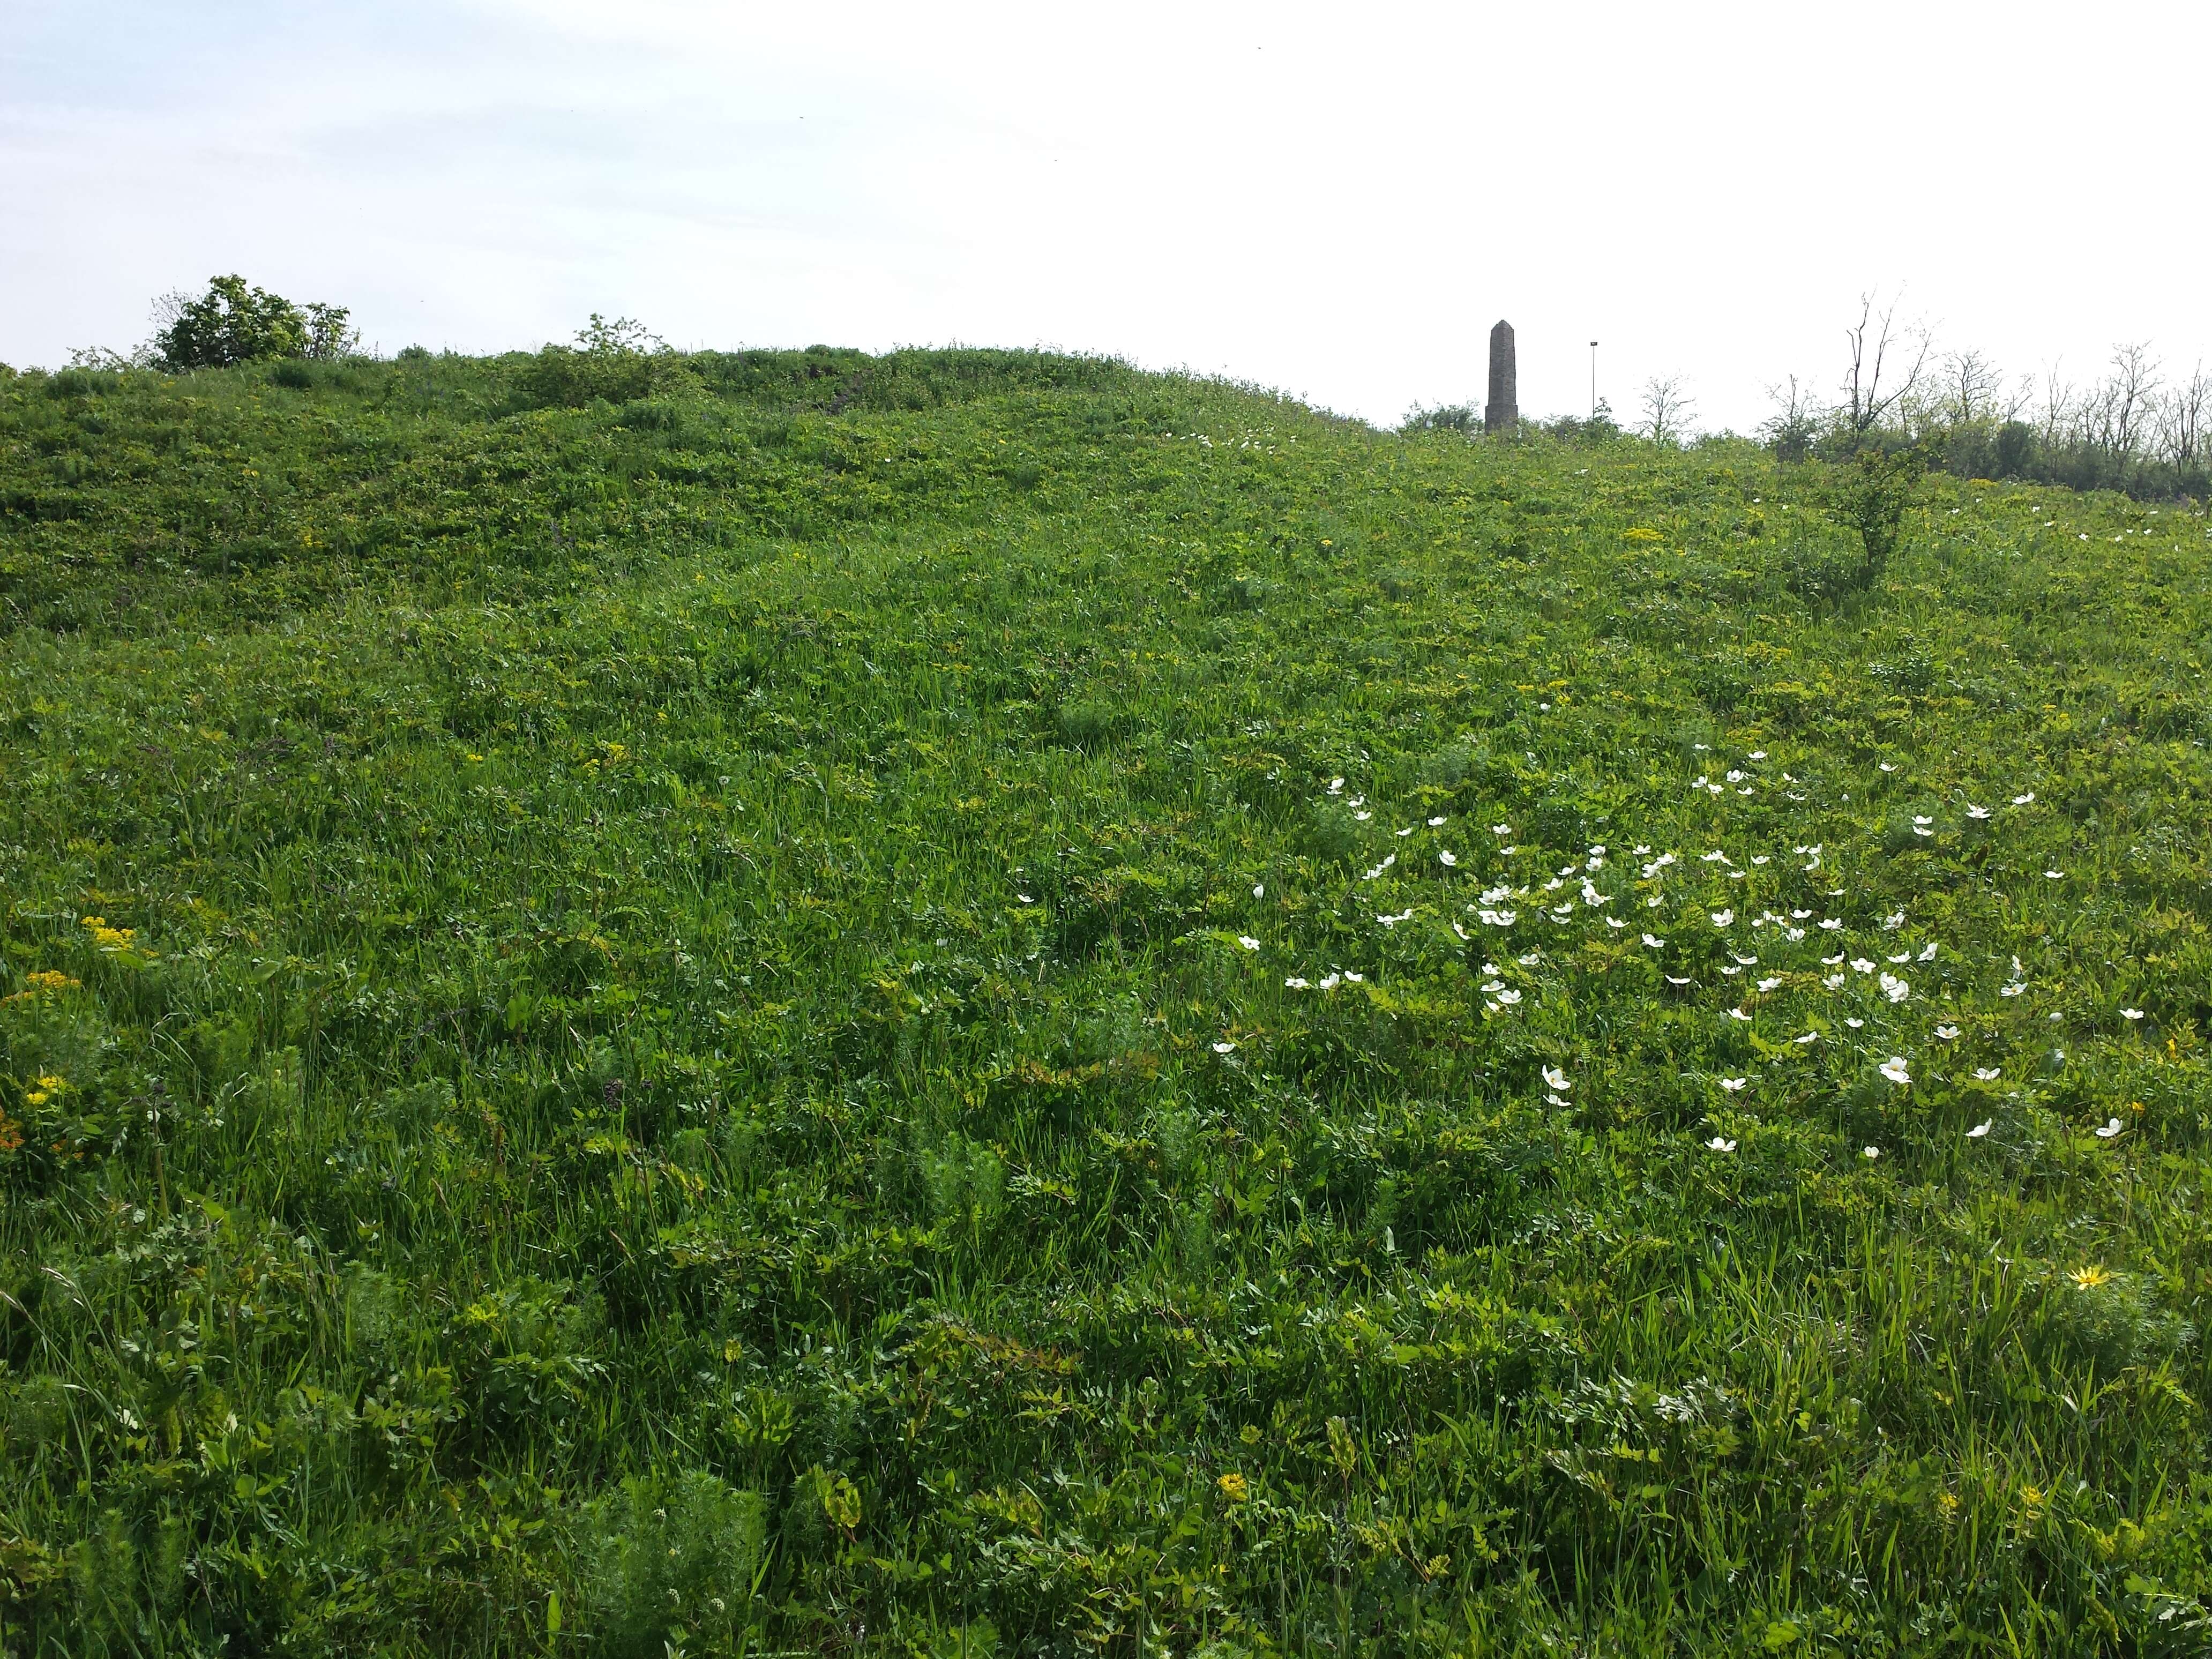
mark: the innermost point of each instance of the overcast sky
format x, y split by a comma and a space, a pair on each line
1338, 201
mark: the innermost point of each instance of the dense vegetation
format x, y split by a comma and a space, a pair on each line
971, 1003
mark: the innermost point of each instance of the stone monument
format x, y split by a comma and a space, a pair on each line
1504, 410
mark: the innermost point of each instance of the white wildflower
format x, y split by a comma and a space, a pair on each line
1893, 1068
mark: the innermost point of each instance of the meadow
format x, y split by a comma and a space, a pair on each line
973, 1004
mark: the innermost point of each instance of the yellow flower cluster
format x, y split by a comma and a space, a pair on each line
45, 979
48, 1087
114, 940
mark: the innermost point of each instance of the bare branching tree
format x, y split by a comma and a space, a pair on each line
2182, 416
1667, 407
1791, 430
1888, 360
1972, 385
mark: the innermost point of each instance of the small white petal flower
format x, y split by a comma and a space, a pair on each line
1894, 1069
1437, 821
1757, 754
1988, 1073
2011, 990
1831, 924
2111, 1131
1887, 767
1973, 811
2023, 800
2130, 1013
2055, 875
1448, 859
1860, 965
1351, 978
1733, 1084
1722, 918
1509, 998
1738, 1013
1248, 941
1335, 786
1501, 829
1225, 1047
1833, 982
1529, 959
1891, 924
1947, 1032
1854, 1024
1671, 980
1871, 1153
1895, 989
1259, 889
1927, 952
1717, 1144
1653, 942
1809, 1036
1556, 1078
1407, 831
1556, 1101
1294, 984
1332, 982
1363, 817
1980, 1129
1771, 982
1799, 916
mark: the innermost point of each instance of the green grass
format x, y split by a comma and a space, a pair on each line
666, 1027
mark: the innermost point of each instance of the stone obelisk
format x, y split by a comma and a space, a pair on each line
1504, 410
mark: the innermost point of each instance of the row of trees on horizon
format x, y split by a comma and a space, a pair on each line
2137, 426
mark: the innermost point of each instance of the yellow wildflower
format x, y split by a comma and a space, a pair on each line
1234, 1487
2089, 1278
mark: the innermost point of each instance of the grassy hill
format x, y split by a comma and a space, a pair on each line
975, 1003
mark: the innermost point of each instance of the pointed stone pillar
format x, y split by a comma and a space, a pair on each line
1504, 412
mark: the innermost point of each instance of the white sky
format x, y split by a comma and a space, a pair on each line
1337, 200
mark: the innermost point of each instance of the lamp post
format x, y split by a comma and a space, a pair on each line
1593, 379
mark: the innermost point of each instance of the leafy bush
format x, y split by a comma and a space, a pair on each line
232, 323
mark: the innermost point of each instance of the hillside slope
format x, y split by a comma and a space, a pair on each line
976, 1002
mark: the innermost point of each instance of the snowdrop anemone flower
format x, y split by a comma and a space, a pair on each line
1556, 1101
1895, 989
1671, 980
1225, 1047
1528, 959
1770, 983
1294, 984
1733, 1084
2026, 800
1928, 952
1653, 942
1738, 1013
1871, 1154
1855, 1023
1336, 785
1973, 811
1948, 1033
1436, 823
1809, 1036
1718, 1145
1501, 829
1988, 1073
2054, 875
1887, 767
1833, 982
1860, 965
1893, 1068
1831, 924
1890, 924
1363, 817
1556, 1079
1980, 1129
2011, 990
1408, 831
1509, 997
1259, 889
1331, 981
1461, 931
1248, 941
1757, 754
1448, 859
1722, 918
2130, 1013
1355, 978
2111, 1131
